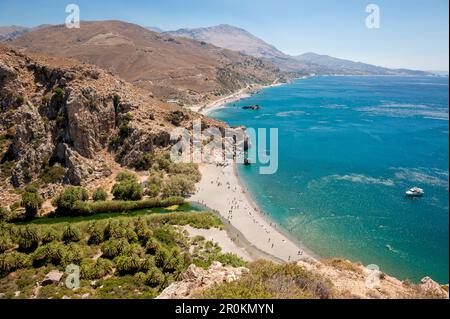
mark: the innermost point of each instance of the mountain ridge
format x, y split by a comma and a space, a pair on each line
225, 36
173, 69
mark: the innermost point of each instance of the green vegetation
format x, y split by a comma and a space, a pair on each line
86, 208
267, 280
52, 175
31, 201
178, 185
20, 100
58, 94
127, 187
140, 256
67, 200
124, 128
99, 195
177, 117
4, 214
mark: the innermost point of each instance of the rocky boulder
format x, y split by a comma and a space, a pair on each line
196, 279
53, 277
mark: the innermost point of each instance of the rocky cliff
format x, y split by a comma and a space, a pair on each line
61, 112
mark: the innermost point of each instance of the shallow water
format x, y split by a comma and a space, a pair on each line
349, 148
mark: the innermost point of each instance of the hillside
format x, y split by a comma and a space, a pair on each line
237, 39
11, 32
173, 69
57, 113
330, 65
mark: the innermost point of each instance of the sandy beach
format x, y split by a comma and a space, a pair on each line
236, 96
221, 191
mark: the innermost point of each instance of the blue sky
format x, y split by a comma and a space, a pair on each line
412, 34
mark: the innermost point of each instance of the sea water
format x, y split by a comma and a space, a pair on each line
349, 148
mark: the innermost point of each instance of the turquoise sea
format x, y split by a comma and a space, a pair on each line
349, 148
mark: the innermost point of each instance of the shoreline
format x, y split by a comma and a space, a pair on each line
222, 192
206, 109
290, 249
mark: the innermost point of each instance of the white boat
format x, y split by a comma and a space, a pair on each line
415, 192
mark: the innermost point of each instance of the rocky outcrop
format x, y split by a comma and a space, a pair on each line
353, 280
196, 279
53, 277
431, 288
90, 120
32, 145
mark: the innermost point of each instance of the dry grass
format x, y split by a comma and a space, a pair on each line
343, 265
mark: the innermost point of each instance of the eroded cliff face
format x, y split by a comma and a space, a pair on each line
58, 111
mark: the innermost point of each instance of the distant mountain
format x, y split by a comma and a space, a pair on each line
155, 29
238, 39
330, 65
175, 69
11, 32
232, 38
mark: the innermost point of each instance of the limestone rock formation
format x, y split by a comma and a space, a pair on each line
196, 279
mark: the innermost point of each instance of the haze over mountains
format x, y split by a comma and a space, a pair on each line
176, 68
11, 32
238, 39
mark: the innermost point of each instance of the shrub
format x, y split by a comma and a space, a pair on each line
12, 261
124, 128
154, 277
58, 94
154, 183
20, 100
126, 176
4, 214
230, 259
267, 280
99, 195
31, 201
162, 161
152, 246
147, 263
142, 231
5, 242
189, 170
96, 235
66, 201
52, 253
143, 161
50, 235
113, 247
127, 190
168, 260
133, 250
71, 234
74, 253
95, 269
176, 117
116, 101
178, 185
29, 238
53, 175
128, 264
